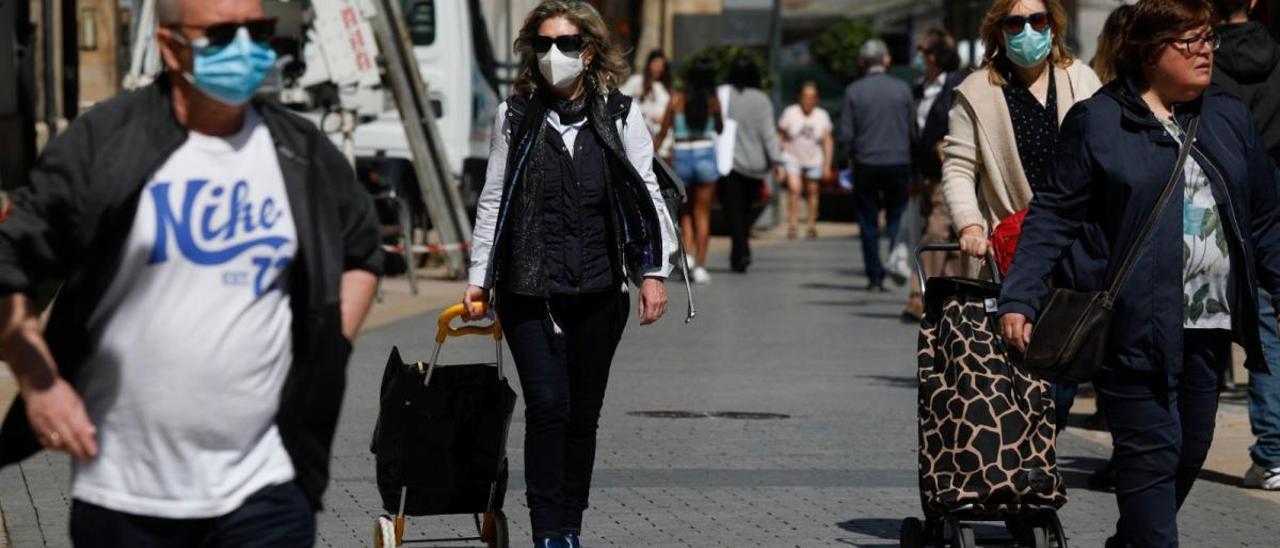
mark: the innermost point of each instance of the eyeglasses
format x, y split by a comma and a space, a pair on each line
1013, 24
569, 43
1186, 45
221, 34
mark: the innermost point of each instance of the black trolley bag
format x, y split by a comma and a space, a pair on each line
986, 428
441, 437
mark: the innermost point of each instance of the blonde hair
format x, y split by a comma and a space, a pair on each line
995, 60
608, 68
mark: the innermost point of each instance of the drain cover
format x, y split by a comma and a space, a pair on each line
747, 415
733, 415
669, 414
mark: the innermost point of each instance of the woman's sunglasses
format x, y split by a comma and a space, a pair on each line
1013, 24
569, 43
221, 34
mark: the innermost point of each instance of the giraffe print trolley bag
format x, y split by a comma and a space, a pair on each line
986, 427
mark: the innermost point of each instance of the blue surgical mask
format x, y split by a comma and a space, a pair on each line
918, 63
1029, 47
230, 73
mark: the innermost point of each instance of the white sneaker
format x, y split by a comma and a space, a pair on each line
701, 276
688, 260
1261, 478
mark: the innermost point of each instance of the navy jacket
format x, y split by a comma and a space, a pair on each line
1112, 162
927, 161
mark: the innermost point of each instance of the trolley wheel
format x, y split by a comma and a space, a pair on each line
1040, 537
962, 535
384, 533
1057, 535
495, 533
911, 535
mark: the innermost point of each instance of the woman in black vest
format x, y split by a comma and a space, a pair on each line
569, 212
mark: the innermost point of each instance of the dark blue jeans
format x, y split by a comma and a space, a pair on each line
1064, 398
279, 515
563, 377
1264, 392
1161, 429
879, 188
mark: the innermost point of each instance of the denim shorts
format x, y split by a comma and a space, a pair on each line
812, 173
695, 163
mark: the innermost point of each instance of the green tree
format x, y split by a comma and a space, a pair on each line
837, 47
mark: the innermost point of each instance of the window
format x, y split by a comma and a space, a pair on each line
420, 17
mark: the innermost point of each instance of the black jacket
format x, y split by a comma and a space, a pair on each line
1112, 162
70, 223
519, 244
927, 160
1248, 67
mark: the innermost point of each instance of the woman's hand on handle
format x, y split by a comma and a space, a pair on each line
476, 301
973, 242
653, 300
1016, 330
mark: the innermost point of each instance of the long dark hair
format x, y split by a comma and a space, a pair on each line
744, 73
699, 88
665, 79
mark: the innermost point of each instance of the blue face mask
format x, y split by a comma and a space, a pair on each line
918, 63
1029, 47
231, 73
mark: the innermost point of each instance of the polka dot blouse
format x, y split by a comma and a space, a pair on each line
1035, 129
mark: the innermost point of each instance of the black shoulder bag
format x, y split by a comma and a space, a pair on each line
1069, 341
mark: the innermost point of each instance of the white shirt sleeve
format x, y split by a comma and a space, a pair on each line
639, 145
490, 200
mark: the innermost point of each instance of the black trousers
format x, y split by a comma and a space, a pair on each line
1161, 428
279, 515
563, 374
738, 195
877, 188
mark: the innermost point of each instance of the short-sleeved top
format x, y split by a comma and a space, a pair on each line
805, 133
1035, 129
1206, 258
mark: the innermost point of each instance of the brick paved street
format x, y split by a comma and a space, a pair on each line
798, 336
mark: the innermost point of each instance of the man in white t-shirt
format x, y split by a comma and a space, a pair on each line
219, 257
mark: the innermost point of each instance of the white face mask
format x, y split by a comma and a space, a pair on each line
558, 69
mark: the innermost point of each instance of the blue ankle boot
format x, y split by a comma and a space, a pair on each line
550, 542
571, 540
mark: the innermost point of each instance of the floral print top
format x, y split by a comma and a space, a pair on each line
1206, 262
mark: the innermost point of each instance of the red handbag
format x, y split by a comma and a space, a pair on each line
1004, 240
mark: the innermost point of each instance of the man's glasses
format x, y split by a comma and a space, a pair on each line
1188, 45
1013, 24
569, 43
221, 34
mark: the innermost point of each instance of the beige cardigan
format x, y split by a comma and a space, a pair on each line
982, 175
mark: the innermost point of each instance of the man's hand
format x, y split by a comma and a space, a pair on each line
476, 301
779, 174
653, 300
59, 421
1016, 330
973, 242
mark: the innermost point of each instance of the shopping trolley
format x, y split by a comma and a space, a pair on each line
441, 438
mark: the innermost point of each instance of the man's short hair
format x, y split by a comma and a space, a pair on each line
168, 12
873, 52
1227, 8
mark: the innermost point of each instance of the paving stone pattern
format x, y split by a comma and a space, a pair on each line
797, 336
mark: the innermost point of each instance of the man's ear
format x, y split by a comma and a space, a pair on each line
171, 50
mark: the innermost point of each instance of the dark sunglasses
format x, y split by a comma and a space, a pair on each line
1013, 24
221, 34
569, 43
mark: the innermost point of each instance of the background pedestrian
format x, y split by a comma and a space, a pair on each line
876, 125
652, 91
805, 132
1194, 285
694, 119
937, 52
1104, 58
756, 151
1247, 65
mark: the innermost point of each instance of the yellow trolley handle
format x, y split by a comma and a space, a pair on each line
444, 330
